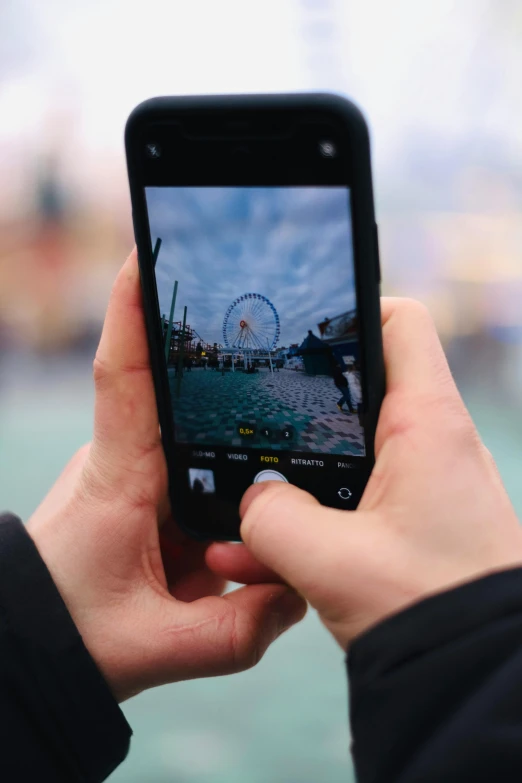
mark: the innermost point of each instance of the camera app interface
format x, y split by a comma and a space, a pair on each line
258, 310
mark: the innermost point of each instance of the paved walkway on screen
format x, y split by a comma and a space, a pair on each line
212, 406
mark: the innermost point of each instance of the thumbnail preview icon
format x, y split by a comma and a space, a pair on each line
202, 481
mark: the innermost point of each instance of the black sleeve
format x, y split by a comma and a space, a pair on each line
58, 718
436, 691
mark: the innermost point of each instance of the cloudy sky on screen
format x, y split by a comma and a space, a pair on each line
292, 245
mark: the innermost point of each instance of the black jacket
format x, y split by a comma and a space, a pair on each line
339, 379
59, 721
436, 691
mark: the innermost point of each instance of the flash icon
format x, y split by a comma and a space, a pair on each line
153, 150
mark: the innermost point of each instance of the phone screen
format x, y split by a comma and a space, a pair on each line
258, 307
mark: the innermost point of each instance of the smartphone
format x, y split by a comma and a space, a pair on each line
258, 253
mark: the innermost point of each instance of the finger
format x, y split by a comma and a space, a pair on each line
421, 395
187, 574
412, 351
126, 419
236, 564
288, 531
215, 636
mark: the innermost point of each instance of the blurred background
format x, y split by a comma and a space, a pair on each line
440, 85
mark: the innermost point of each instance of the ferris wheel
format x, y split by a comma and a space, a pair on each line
252, 323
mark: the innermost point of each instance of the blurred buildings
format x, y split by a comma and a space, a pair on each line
439, 85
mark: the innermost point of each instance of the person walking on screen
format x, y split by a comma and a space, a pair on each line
342, 384
353, 376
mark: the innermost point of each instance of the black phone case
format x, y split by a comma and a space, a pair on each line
365, 237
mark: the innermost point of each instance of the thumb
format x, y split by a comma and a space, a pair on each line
126, 422
288, 531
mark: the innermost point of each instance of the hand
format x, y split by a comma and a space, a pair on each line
149, 613
434, 513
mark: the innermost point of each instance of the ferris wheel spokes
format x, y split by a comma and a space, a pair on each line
251, 323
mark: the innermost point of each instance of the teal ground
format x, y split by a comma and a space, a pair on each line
212, 406
285, 721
